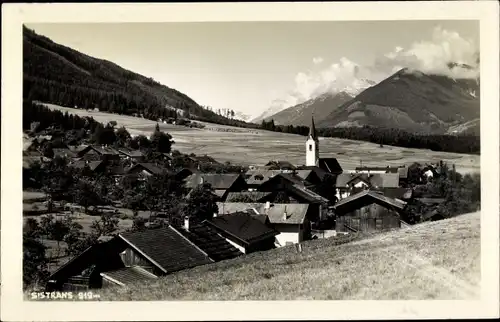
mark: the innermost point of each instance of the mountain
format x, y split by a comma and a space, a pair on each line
325, 101
413, 101
241, 116
53, 73
277, 106
320, 106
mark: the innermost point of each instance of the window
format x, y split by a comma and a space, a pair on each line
310, 147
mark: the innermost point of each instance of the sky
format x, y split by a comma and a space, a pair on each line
251, 66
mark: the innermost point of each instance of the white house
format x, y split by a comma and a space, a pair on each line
291, 221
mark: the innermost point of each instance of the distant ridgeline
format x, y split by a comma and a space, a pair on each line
56, 74
461, 143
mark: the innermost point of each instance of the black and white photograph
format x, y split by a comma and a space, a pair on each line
194, 157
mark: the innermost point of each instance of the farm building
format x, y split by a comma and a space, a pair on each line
145, 169
292, 221
96, 152
130, 154
350, 183
368, 211
245, 232
94, 166
134, 256
222, 184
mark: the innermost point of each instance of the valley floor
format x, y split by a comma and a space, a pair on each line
257, 147
435, 260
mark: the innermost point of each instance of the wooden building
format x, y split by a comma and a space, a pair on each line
368, 211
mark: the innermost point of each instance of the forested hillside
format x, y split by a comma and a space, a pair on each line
60, 75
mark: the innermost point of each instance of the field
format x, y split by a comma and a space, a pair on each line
435, 260
257, 147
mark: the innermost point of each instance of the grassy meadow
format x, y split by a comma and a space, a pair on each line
257, 147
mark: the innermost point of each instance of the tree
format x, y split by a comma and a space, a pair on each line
105, 226
85, 194
202, 203
122, 136
32, 228
34, 262
161, 142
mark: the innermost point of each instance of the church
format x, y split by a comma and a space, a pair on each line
330, 165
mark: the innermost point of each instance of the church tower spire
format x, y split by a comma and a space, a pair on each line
312, 146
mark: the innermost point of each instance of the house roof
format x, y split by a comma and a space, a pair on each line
222, 181
330, 165
149, 167
307, 194
256, 177
243, 227
128, 275
365, 198
104, 150
81, 164
63, 152
385, 180
131, 153
431, 201
208, 239
280, 164
296, 212
255, 196
380, 180
397, 193
319, 172
167, 248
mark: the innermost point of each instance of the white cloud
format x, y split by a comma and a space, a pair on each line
431, 56
317, 60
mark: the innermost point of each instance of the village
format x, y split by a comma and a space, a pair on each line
268, 206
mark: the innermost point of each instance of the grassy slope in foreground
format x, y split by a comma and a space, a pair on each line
438, 260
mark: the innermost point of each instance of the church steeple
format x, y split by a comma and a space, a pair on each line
312, 146
312, 130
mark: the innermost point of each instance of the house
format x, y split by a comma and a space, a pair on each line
401, 170
94, 166
208, 239
222, 184
430, 171
63, 153
368, 211
256, 178
129, 154
145, 169
349, 183
290, 220
127, 258
404, 194
280, 165
96, 152
183, 173
244, 231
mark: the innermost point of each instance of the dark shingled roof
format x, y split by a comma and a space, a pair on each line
280, 164
330, 165
209, 240
167, 248
128, 275
365, 198
218, 181
81, 164
149, 167
243, 227
255, 196
131, 153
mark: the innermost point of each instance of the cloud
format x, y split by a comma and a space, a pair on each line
431, 56
317, 60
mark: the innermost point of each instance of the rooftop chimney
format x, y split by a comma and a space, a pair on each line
285, 215
186, 223
268, 205
202, 181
